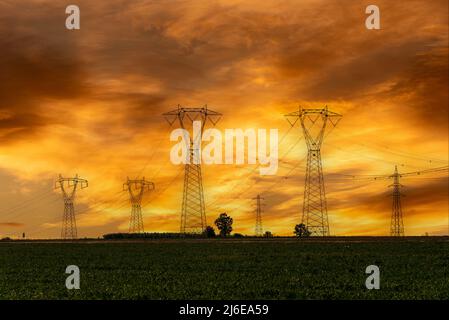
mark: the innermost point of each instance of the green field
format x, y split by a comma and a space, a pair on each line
411, 268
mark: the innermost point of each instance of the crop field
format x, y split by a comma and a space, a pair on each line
410, 268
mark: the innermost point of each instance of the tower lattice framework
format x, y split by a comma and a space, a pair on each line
314, 123
136, 188
259, 228
397, 225
193, 212
69, 187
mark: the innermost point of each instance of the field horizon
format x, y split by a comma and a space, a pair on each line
245, 238
234, 268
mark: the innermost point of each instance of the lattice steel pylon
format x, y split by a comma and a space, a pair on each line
314, 214
193, 212
136, 189
258, 229
397, 225
69, 187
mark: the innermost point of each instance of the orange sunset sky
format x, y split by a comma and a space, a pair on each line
90, 102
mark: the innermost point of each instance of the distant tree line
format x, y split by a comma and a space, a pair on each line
223, 223
150, 235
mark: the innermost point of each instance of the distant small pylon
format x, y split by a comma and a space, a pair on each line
258, 229
397, 225
136, 189
69, 187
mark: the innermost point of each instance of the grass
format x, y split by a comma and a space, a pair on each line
415, 268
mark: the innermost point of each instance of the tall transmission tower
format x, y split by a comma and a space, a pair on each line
314, 123
136, 189
397, 226
259, 229
69, 187
193, 214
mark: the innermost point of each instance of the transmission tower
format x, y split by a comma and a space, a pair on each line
259, 230
314, 123
397, 226
193, 215
136, 189
69, 187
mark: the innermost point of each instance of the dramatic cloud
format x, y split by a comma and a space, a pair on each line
91, 101
11, 224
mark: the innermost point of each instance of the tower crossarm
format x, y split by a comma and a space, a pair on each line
136, 188
183, 114
69, 186
308, 119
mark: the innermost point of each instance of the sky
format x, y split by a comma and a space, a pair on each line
90, 102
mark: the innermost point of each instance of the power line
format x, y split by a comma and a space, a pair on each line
400, 153
29, 201
389, 176
252, 171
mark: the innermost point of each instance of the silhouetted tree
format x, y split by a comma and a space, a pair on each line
301, 230
224, 224
268, 234
209, 232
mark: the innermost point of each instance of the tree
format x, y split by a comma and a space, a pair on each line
301, 230
209, 232
268, 234
224, 224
